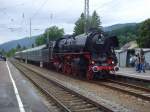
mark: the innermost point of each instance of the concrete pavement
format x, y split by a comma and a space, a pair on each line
30, 99
8, 100
131, 72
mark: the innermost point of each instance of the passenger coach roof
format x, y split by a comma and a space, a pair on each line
35, 48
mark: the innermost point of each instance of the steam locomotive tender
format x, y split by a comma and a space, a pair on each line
88, 55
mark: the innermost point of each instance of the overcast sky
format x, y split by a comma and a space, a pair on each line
15, 14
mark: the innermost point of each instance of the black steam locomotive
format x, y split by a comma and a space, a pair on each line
89, 55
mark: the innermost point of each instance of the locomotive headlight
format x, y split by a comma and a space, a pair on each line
93, 62
113, 62
95, 69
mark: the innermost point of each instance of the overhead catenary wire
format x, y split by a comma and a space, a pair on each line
103, 5
34, 15
38, 10
10, 18
3, 10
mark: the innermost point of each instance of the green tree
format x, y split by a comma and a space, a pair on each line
144, 34
123, 39
40, 40
2, 52
32, 45
79, 25
24, 47
124, 32
18, 47
52, 33
11, 52
95, 21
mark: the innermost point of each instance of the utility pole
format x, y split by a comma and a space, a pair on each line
30, 28
47, 36
51, 17
50, 43
86, 14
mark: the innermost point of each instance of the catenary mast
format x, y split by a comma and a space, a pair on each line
86, 14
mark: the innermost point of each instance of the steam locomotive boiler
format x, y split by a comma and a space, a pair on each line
88, 55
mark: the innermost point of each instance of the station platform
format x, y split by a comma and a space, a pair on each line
17, 94
132, 73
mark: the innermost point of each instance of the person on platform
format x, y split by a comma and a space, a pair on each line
142, 62
132, 60
137, 62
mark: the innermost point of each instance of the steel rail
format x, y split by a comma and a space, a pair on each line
133, 90
96, 105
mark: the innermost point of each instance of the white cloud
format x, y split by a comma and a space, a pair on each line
15, 14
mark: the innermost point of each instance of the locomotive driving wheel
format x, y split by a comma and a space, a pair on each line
74, 71
57, 67
64, 68
68, 69
89, 74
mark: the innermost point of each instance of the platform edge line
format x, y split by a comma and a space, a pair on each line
21, 107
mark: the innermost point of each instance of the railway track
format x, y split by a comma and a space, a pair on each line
62, 98
130, 89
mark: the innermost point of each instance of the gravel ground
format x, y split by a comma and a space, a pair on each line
113, 99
